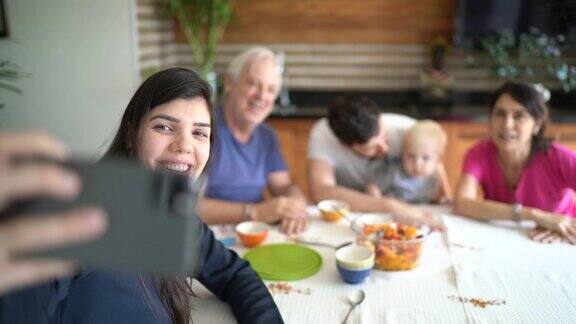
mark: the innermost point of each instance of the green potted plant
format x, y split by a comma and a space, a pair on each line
529, 56
203, 23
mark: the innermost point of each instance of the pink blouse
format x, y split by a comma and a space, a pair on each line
547, 182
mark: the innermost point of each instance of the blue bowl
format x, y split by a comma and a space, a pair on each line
353, 276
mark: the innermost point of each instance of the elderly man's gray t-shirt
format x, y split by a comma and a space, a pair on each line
352, 170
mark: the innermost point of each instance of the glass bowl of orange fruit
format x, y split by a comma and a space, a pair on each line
397, 246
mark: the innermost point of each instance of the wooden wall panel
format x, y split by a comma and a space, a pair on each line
293, 137
340, 21
314, 64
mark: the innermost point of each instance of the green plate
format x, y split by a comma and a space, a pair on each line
284, 261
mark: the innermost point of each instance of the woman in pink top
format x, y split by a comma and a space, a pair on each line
520, 173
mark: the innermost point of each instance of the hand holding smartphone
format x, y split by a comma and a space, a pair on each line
152, 226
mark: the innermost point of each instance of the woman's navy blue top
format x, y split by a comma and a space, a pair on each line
106, 296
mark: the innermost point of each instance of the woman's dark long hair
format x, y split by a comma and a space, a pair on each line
526, 95
160, 88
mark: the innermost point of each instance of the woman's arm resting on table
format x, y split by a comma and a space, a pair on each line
562, 224
547, 236
467, 203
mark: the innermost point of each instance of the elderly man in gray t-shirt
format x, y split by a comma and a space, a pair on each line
342, 148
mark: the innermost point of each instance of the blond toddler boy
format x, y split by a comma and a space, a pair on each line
415, 176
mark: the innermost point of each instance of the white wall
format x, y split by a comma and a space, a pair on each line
81, 56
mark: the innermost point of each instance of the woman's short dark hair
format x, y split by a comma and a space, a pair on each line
160, 88
526, 94
354, 119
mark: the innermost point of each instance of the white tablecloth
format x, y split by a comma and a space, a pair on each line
489, 261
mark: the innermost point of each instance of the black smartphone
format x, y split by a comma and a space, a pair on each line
152, 223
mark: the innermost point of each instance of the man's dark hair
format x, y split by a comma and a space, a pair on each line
354, 119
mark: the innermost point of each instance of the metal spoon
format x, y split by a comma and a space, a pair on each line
345, 213
336, 247
355, 299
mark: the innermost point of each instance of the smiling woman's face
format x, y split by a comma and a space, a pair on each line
176, 136
511, 126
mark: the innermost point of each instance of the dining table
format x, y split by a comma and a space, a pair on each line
473, 272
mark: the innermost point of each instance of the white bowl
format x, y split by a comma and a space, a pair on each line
355, 257
333, 210
252, 227
332, 205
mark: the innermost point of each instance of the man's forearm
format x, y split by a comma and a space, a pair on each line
214, 211
295, 192
291, 190
358, 201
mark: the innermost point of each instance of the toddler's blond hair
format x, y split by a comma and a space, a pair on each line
427, 132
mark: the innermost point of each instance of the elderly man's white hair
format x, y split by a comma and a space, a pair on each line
247, 59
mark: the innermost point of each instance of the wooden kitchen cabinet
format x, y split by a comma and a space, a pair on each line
564, 133
461, 137
293, 134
